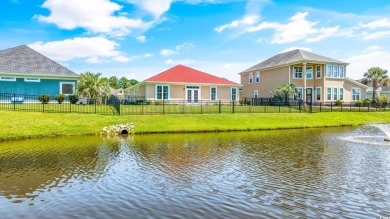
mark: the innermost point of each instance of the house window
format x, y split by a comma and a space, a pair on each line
256, 94
328, 71
162, 92
335, 71
7, 79
213, 93
318, 93
318, 71
234, 93
341, 71
341, 93
355, 93
329, 93
257, 77
309, 72
335, 96
67, 88
297, 72
32, 80
250, 78
299, 91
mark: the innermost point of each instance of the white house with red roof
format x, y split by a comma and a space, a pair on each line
184, 83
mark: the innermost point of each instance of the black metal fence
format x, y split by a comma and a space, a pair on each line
114, 105
31, 103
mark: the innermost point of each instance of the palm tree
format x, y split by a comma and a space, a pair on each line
286, 91
376, 77
91, 86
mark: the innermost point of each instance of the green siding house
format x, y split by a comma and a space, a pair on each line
24, 71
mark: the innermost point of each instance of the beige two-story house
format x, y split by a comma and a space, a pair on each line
316, 78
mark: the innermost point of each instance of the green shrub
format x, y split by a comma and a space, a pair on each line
157, 102
148, 102
337, 103
367, 101
60, 98
73, 98
359, 103
382, 100
44, 98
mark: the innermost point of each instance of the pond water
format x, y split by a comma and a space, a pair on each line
313, 173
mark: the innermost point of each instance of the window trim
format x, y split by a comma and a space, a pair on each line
319, 87
299, 88
257, 74
67, 82
341, 88
231, 93
162, 91
29, 80
360, 93
337, 93
294, 72
342, 67
331, 71
312, 74
317, 71
6, 78
331, 93
216, 93
250, 78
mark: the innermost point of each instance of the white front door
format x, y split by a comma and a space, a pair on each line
192, 94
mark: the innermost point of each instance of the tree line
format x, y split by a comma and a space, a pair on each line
92, 85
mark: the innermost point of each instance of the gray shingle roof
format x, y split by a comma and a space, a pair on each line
24, 60
293, 56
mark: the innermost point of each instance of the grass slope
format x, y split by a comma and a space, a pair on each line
19, 125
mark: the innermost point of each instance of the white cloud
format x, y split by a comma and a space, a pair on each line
245, 21
373, 56
141, 39
167, 52
382, 23
96, 16
123, 58
294, 48
80, 48
375, 35
155, 7
177, 62
147, 55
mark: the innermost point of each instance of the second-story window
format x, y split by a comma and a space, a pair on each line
341, 71
297, 72
335, 71
250, 78
328, 71
309, 72
257, 77
318, 71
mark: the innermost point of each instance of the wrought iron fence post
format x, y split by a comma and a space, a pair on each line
43, 106
183, 106
201, 109
219, 107
350, 106
320, 107
14, 102
300, 107
233, 107
341, 106
70, 108
163, 105
331, 106
311, 107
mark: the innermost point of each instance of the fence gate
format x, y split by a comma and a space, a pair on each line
115, 103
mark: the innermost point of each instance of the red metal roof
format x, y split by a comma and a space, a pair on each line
181, 73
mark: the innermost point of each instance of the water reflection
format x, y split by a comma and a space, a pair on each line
294, 173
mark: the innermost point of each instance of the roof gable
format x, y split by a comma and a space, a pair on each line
293, 56
184, 74
24, 60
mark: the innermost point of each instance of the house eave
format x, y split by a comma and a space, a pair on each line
42, 76
187, 83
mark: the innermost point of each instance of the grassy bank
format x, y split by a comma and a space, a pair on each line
19, 125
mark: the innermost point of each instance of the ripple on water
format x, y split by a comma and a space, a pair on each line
317, 173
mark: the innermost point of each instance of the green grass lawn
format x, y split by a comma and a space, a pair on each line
19, 125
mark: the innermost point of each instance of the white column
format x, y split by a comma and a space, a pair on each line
304, 82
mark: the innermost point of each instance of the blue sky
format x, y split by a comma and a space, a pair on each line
140, 38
